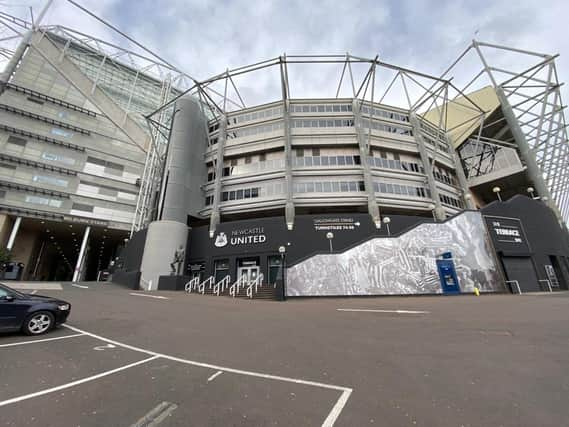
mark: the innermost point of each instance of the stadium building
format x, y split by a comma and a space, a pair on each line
295, 176
73, 145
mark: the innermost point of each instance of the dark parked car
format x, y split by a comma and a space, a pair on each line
31, 314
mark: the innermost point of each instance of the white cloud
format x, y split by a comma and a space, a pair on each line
205, 37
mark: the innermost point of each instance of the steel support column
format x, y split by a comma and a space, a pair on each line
215, 218
526, 153
439, 211
461, 177
79, 263
14, 233
363, 144
289, 207
14, 60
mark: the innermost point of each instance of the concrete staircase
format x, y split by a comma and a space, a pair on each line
242, 290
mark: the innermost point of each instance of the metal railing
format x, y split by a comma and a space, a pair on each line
192, 284
221, 285
234, 289
255, 283
517, 285
207, 282
548, 284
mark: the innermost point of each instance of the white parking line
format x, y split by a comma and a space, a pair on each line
36, 341
214, 376
148, 296
80, 286
330, 419
74, 383
365, 310
156, 415
337, 409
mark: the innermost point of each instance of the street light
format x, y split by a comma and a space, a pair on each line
282, 252
530, 190
432, 208
330, 236
386, 221
496, 191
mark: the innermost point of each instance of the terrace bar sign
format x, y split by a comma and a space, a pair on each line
506, 230
245, 236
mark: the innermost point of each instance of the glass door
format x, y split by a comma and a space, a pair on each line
250, 272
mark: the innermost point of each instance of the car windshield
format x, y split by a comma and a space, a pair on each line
11, 291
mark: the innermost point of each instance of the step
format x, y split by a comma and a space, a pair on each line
263, 292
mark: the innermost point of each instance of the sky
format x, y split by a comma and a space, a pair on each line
203, 38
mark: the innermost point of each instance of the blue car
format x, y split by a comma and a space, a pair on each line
31, 314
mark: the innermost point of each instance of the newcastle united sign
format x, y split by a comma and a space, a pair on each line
246, 236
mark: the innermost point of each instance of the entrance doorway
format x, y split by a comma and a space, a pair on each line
248, 267
250, 272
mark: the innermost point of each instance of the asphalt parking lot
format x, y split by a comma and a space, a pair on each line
130, 359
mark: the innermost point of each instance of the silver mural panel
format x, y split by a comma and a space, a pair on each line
404, 264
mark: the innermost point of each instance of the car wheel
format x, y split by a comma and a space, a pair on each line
38, 323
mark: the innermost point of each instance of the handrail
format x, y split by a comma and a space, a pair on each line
548, 283
149, 282
192, 284
256, 283
209, 281
221, 285
235, 287
516, 283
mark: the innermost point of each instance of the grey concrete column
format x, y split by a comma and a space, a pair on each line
439, 211
14, 233
526, 153
215, 217
163, 239
79, 263
372, 206
185, 165
289, 206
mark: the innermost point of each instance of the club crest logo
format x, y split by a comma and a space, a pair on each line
221, 240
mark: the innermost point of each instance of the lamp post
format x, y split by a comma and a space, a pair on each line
386, 221
282, 252
530, 191
432, 208
330, 236
496, 190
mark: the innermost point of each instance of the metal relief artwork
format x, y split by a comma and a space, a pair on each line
177, 262
404, 264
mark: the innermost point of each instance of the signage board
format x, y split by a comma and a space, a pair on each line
338, 223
